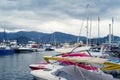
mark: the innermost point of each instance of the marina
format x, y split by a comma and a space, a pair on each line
16, 66
59, 40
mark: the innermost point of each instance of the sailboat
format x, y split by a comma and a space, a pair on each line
5, 50
4, 47
51, 45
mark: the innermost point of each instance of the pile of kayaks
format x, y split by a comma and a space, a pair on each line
73, 66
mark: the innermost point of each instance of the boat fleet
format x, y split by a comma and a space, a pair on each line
10, 47
77, 63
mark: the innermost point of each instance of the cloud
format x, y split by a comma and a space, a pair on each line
57, 15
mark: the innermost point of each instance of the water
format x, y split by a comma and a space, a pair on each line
16, 66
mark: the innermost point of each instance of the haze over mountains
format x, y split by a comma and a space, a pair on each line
39, 37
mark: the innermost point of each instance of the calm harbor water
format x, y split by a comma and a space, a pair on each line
16, 66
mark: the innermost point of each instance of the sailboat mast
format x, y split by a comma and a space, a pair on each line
90, 32
87, 26
87, 32
54, 39
98, 30
78, 39
4, 35
109, 34
112, 29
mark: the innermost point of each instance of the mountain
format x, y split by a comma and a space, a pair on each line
105, 39
24, 37
39, 37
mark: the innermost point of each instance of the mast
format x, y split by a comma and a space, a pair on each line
78, 39
109, 34
112, 29
98, 30
90, 32
53, 39
87, 32
4, 35
87, 26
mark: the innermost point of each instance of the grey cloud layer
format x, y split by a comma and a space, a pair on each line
72, 8
45, 10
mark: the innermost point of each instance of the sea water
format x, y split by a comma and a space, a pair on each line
16, 66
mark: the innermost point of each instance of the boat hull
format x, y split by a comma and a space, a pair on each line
21, 50
6, 51
40, 66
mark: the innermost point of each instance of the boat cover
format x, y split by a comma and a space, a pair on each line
76, 73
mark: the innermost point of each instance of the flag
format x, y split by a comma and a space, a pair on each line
98, 19
112, 20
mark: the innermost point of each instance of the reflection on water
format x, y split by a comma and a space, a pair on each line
16, 66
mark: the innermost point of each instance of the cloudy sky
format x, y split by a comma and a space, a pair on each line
68, 16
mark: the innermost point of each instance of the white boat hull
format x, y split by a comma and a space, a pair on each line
47, 74
66, 50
